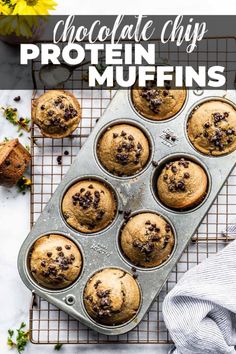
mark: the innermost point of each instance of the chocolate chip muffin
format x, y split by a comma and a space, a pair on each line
89, 206
147, 240
212, 128
14, 159
182, 184
158, 103
123, 150
55, 261
57, 113
112, 297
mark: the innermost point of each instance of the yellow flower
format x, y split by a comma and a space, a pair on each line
6, 7
33, 7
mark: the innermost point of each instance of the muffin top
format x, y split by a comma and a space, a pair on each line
89, 206
182, 184
123, 150
158, 103
147, 240
212, 128
55, 261
57, 113
112, 297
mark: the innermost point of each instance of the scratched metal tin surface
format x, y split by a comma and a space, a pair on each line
100, 250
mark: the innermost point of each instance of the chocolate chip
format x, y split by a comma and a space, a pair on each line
181, 185
90, 186
207, 125
174, 169
127, 214
186, 175
49, 254
7, 162
165, 93
115, 135
59, 160
59, 248
97, 283
67, 247
168, 228
42, 107
43, 264
50, 113
154, 163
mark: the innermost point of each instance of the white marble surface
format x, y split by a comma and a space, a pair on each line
14, 208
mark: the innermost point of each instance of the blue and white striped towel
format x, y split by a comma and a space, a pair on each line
200, 311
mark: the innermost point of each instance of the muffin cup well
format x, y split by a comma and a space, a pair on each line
90, 178
134, 124
158, 170
113, 325
29, 272
127, 260
191, 111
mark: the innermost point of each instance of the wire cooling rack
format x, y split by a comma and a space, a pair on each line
48, 324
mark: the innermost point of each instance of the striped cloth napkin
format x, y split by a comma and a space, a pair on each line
200, 311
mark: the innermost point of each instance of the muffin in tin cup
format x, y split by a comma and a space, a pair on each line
211, 127
147, 240
123, 149
112, 297
55, 262
182, 184
89, 206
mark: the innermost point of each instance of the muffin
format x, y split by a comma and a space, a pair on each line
89, 206
212, 128
147, 240
112, 297
123, 150
57, 113
14, 159
55, 261
158, 103
182, 184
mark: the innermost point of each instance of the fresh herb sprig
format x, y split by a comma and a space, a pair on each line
11, 114
58, 346
23, 184
20, 340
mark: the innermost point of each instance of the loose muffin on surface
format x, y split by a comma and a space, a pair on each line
123, 150
158, 103
147, 240
57, 113
89, 206
182, 184
55, 261
212, 128
14, 159
112, 297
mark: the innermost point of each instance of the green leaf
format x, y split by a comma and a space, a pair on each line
58, 346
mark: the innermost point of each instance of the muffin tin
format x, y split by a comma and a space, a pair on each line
136, 193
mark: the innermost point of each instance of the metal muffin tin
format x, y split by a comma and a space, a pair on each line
137, 193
